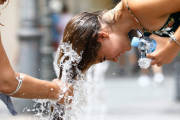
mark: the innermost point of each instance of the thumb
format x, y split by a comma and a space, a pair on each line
150, 55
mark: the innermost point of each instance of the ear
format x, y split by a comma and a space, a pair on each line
102, 36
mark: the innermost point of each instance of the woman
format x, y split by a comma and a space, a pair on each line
103, 35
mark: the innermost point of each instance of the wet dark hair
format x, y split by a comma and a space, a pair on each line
82, 32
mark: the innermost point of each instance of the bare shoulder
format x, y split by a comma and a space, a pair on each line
154, 7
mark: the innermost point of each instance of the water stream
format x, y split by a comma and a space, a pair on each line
88, 90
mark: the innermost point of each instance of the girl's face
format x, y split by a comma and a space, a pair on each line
112, 46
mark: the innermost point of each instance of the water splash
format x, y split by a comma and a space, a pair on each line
84, 88
40, 108
79, 100
96, 93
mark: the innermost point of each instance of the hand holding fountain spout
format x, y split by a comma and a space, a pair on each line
66, 92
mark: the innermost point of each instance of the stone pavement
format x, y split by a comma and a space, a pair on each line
126, 100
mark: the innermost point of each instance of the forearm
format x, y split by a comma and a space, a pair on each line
31, 88
35, 88
173, 45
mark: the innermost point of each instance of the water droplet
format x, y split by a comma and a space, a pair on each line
51, 88
39, 69
114, 73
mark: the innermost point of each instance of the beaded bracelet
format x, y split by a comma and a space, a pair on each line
19, 84
172, 37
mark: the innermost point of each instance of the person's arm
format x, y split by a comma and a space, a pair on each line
148, 9
154, 9
31, 87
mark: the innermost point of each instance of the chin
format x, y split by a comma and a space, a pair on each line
116, 59
129, 48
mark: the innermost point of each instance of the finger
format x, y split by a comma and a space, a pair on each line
70, 101
56, 80
159, 64
62, 101
154, 62
150, 55
71, 89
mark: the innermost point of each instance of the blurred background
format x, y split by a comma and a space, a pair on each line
120, 91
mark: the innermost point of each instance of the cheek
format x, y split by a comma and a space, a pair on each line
113, 51
125, 44
118, 46
128, 46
